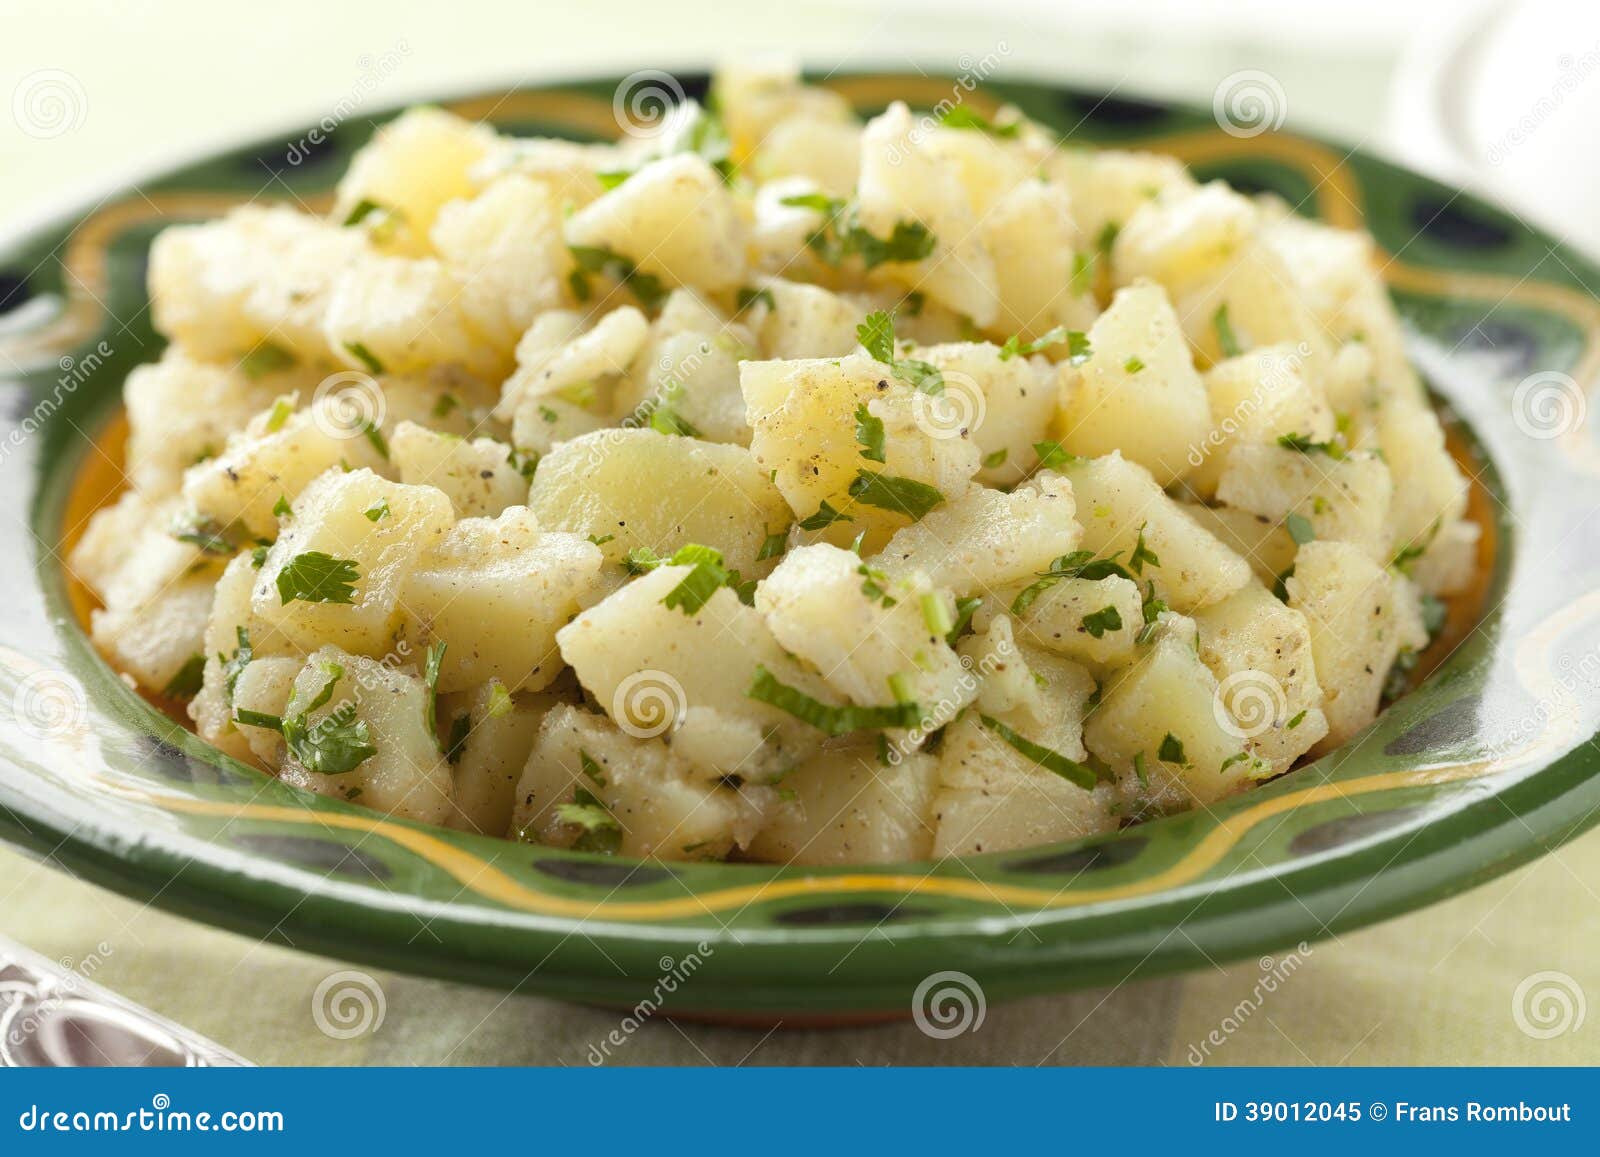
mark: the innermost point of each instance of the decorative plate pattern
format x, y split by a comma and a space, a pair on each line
1490, 762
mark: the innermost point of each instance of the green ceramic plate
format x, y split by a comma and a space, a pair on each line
1489, 763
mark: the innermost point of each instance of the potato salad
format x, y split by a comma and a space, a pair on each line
775, 485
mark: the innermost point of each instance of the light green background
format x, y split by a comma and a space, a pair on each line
160, 82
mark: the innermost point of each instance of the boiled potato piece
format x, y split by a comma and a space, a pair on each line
756, 96
1042, 277
646, 665
1361, 616
256, 276
339, 567
1118, 501
902, 182
1258, 397
264, 687
1260, 651
807, 321
1095, 621
499, 732
1252, 299
1109, 186
479, 477
805, 416
874, 639
1177, 239
495, 591
674, 218
1342, 499
398, 315
405, 774
647, 802
637, 489
505, 246
985, 539
158, 642
273, 459
826, 153
1430, 491
234, 639
1138, 365
848, 807
1160, 715
410, 170
1007, 404
1261, 541
562, 359
182, 411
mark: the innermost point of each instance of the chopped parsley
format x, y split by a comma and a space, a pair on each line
876, 335
706, 577
265, 359
964, 611
888, 492
594, 260
773, 545
365, 356
826, 515
1171, 750
1053, 457
830, 720
601, 832
1053, 761
378, 510
1078, 350
994, 458
335, 744
749, 297
1133, 365
1300, 528
961, 117
1303, 444
869, 434
430, 679
1227, 340
185, 683
316, 577
1142, 554
842, 236
204, 533
1078, 564
1105, 619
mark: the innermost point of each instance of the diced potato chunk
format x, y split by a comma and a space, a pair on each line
1339, 499
646, 665
397, 315
1175, 240
1260, 651
272, 461
903, 182
1361, 616
1139, 365
849, 808
873, 639
659, 492
500, 733
1030, 233
415, 165
1163, 711
1118, 500
1258, 397
1095, 621
649, 802
1007, 404
478, 476
300, 596
674, 218
805, 416
406, 775
1262, 542
257, 275
496, 591
986, 540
